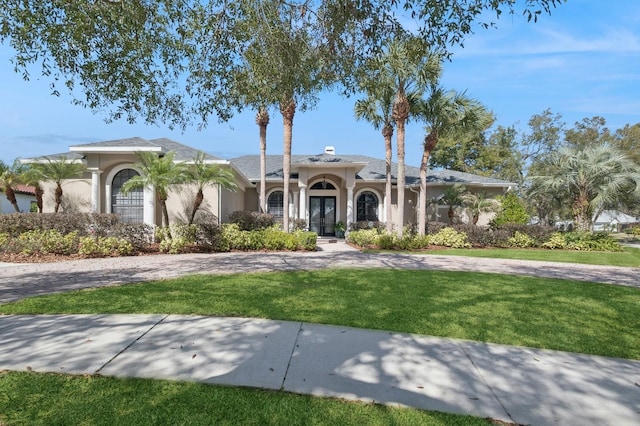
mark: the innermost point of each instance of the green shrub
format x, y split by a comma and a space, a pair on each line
387, 241
556, 241
635, 231
364, 237
139, 235
380, 227
274, 239
521, 240
251, 221
209, 236
449, 237
44, 242
65, 223
512, 210
306, 240
4, 239
591, 241
104, 246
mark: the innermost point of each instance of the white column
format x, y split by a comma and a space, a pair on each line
95, 191
303, 203
349, 205
294, 206
149, 206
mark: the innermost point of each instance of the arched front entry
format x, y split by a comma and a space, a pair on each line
129, 206
323, 208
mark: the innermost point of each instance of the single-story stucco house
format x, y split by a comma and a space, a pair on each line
325, 188
612, 220
25, 197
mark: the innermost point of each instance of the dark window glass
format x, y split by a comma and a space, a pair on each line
275, 205
129, 206
323, 185
367, 207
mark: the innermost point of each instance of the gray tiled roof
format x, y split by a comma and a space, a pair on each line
374, 169
183, 152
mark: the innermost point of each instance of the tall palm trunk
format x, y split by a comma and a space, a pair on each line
11, 197
39, 197
197, 202
387, 132
429, 144
58, 197
582, 212
262, 120
165, 213
400, 115
288, 110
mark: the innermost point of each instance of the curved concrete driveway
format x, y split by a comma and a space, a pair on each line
24, 280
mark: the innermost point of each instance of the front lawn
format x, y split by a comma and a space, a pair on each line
546, 313
52, 399
630, 257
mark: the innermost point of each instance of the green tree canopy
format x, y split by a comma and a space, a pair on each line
57, 170
157, 173
203, 174
174, 62
594, 178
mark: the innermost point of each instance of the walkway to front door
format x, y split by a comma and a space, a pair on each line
322, 215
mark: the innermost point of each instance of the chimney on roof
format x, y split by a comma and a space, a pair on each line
330, 150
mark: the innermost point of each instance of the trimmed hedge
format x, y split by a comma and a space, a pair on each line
464, 236
65, 223
100, 235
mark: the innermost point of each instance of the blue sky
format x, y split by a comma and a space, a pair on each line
582, 61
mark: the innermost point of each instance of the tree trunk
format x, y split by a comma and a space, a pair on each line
11, 197
451, 214
582, 213
430, 142
400, 116
165, 213
39, 197
58, 198
400, 180
387, 132
262, 120
287, 109
196, 205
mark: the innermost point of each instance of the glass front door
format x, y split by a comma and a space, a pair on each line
322, 215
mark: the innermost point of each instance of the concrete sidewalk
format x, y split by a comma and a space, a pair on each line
513, 384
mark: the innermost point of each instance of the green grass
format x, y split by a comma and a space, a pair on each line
629, 257
52, 399
546, 313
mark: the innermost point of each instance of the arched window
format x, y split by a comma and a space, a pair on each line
367, 207
275, 205
130, 206
323, 185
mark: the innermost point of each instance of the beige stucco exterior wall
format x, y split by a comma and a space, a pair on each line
76, 196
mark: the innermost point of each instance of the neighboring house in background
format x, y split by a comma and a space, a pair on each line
325, 188
612, 220
25, 196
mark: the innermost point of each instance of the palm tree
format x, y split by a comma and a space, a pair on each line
204, 174
446, 113
285, 67
595, 178
411, 67
262, 120
58, 170
9, 177
31, 176
158, 173
479, 203
377, 109
452, 197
